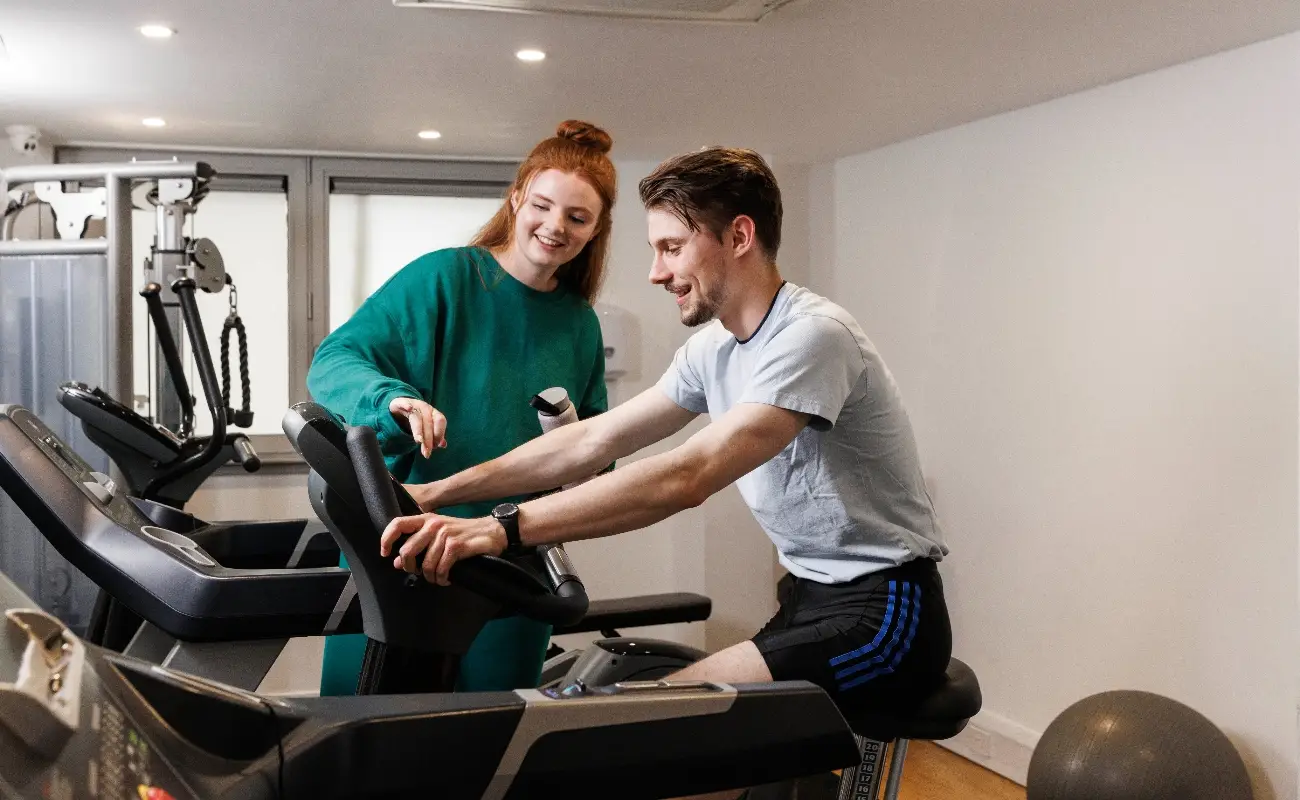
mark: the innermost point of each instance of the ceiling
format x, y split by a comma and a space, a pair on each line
815, 80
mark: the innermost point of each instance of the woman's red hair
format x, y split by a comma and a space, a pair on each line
581, 149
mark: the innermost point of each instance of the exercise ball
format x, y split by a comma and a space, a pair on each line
1128, 745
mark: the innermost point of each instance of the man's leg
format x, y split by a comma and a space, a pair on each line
740, 663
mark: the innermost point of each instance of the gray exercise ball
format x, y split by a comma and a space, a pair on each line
1127, 745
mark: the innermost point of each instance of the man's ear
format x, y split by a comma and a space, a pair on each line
743, 235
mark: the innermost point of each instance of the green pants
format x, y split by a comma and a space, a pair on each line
507, 654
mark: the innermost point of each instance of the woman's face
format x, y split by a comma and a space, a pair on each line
555, 218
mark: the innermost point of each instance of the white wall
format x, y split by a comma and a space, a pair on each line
1091, 306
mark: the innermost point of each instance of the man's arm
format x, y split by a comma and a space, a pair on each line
652, 489
631, 497
567, 453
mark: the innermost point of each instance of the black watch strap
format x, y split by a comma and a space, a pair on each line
508, 515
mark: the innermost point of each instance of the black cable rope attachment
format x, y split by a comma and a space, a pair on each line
242, 417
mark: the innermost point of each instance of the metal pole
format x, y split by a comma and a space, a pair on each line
896, 770
119, 374
167, 256
135, 170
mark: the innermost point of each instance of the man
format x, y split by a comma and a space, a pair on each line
806, 419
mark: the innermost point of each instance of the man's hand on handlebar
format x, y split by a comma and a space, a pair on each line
442, 540
427, 425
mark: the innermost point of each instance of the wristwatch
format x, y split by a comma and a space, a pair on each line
508, 515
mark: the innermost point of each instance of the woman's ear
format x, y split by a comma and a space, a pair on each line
514, 202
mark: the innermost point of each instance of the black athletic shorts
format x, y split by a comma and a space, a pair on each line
876, 643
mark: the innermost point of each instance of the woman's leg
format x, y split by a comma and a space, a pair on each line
507, 654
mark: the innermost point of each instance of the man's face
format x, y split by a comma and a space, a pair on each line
690, 264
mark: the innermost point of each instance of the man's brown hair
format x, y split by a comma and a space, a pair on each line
709, 188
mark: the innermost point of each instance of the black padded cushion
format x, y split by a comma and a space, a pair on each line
638, 612
942, 714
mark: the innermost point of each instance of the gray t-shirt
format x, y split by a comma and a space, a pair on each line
846, 497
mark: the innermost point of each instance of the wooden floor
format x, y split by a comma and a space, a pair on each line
931, 773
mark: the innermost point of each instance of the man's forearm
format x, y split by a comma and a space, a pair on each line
642, 493
629, 498
547, 462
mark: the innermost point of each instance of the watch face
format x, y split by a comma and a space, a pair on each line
505, 510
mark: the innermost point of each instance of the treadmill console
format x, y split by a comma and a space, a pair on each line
62, 735
102, 492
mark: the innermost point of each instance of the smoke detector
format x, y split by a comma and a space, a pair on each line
676, 10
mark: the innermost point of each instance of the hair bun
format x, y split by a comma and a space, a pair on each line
585, 134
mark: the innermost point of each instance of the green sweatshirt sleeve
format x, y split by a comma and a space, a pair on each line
364, 365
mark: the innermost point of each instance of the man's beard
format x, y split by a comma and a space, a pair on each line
705, 308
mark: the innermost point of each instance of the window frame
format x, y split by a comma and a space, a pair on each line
307, 181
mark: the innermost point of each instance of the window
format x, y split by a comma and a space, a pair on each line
306, 241
374, 236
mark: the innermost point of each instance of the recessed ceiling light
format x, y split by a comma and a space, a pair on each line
155, 31
530, 55
429, 135
153, 122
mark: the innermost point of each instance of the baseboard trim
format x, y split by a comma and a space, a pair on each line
996, 743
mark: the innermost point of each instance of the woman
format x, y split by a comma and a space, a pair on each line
442, 360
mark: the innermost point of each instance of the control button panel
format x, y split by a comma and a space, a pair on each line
126, 765
579, 689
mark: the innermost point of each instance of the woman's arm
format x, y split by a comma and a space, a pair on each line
365, 366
